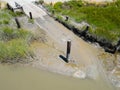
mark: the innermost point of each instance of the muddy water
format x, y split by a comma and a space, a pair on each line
27, 78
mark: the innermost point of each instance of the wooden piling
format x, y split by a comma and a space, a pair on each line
8, 6
17, 22
66, 18
68, 50
30, 15
12, 9
22, 9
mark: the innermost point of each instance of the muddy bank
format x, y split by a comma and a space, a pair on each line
48, 58
110, 61
47, 54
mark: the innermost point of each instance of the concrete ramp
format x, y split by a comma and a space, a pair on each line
12, 4
36, 11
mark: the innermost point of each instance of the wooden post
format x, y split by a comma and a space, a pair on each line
8, 6
22, 9
68, 50
12, 9
17, 22
66, 18
53, 12
30, 15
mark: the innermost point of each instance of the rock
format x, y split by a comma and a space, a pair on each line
79, 74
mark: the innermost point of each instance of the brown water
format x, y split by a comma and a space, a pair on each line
27, 78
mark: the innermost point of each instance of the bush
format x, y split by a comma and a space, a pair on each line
14, 44
58, 7
7, 33
14, 50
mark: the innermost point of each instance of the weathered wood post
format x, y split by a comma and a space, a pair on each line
68, 50
22, 9
17, 22
87, 28
53, 12
8, 6
66, 19
30, 15
12, 9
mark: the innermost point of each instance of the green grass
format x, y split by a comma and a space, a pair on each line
105, 20
14, 50
14, 43
7, 33
6, 15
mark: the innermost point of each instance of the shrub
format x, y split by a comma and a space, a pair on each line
7, 33
58, 7
14, 50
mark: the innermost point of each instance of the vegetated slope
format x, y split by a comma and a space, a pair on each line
104, 19
14, 43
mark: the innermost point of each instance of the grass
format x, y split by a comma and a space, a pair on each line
31, 20
105, 20
4, 17
14, 43
7, 33
13, 50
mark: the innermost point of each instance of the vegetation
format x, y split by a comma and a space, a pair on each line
14, 43
104, 19
39, 2
4, 17
13, 50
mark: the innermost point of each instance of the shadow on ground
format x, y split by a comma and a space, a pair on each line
63, 58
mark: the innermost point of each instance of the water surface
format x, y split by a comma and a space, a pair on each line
27, 78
